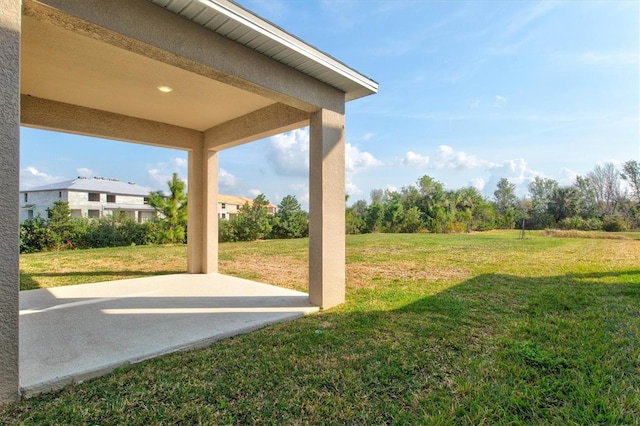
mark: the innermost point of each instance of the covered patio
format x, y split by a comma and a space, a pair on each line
111, 324
196, 75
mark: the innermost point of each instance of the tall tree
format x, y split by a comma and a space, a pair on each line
393, 212
631, 174
605, 183
506, 202
355, 221
542, 191
432, 198
253, 222
172, 210
375, 217
290, 221
60, 223
587, 204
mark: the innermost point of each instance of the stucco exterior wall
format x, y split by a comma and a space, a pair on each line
229, 211
40, 202
9, 176
80, 205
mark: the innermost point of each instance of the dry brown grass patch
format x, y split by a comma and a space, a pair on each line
365, 275
277, 270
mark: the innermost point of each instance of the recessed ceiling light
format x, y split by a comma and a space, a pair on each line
165, 89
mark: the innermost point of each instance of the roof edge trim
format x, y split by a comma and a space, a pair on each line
256, 23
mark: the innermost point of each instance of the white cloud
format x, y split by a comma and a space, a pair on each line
368, 136
301, 191
288, 153
567, 176
85, 172
352, 189
255, 192
500, 101
31, 177
412, 159
449, 158
226, 180
160, 173
179, 162
516, 171
478, 183
356, 160
158, 177
444, 158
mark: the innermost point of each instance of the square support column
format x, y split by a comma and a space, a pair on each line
202, 208
9, 176
326, 209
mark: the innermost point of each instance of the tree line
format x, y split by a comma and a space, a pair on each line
169, 226
604, 199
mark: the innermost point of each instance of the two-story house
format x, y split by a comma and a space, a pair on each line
88, 197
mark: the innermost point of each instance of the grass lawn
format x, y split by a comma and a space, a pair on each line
437, 329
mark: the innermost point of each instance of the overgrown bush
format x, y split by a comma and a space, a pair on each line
58, 232
35, 236
226, 231
614, 223
115, 230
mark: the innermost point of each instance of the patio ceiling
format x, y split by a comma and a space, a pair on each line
66, 66
76, 61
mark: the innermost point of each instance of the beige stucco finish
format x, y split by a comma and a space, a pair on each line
326, 209
93, 68
9, 173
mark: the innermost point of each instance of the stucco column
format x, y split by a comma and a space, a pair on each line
202, 228
9, 176
326, 209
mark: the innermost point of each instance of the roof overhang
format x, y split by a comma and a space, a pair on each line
103, 62
234, 22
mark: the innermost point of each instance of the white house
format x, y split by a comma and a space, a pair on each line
88, 197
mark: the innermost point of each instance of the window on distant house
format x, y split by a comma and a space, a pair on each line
146, 200
224, 206
93, 213
59, 194
224, 216
94, 196
29, 214
111, 198
26, 197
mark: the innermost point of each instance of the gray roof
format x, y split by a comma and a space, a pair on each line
234, 22
101, 185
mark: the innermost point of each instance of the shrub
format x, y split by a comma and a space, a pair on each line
615, 223
226, 231
35, 236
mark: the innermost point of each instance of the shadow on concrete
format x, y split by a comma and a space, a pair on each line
76, 332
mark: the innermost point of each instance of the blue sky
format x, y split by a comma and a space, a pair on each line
470, 92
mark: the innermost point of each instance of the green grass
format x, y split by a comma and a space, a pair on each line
437, 329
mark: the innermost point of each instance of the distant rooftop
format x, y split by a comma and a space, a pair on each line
95, 184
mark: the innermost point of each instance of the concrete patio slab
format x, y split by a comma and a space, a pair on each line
78, 332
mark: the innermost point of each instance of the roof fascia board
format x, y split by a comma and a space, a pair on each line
248, 19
